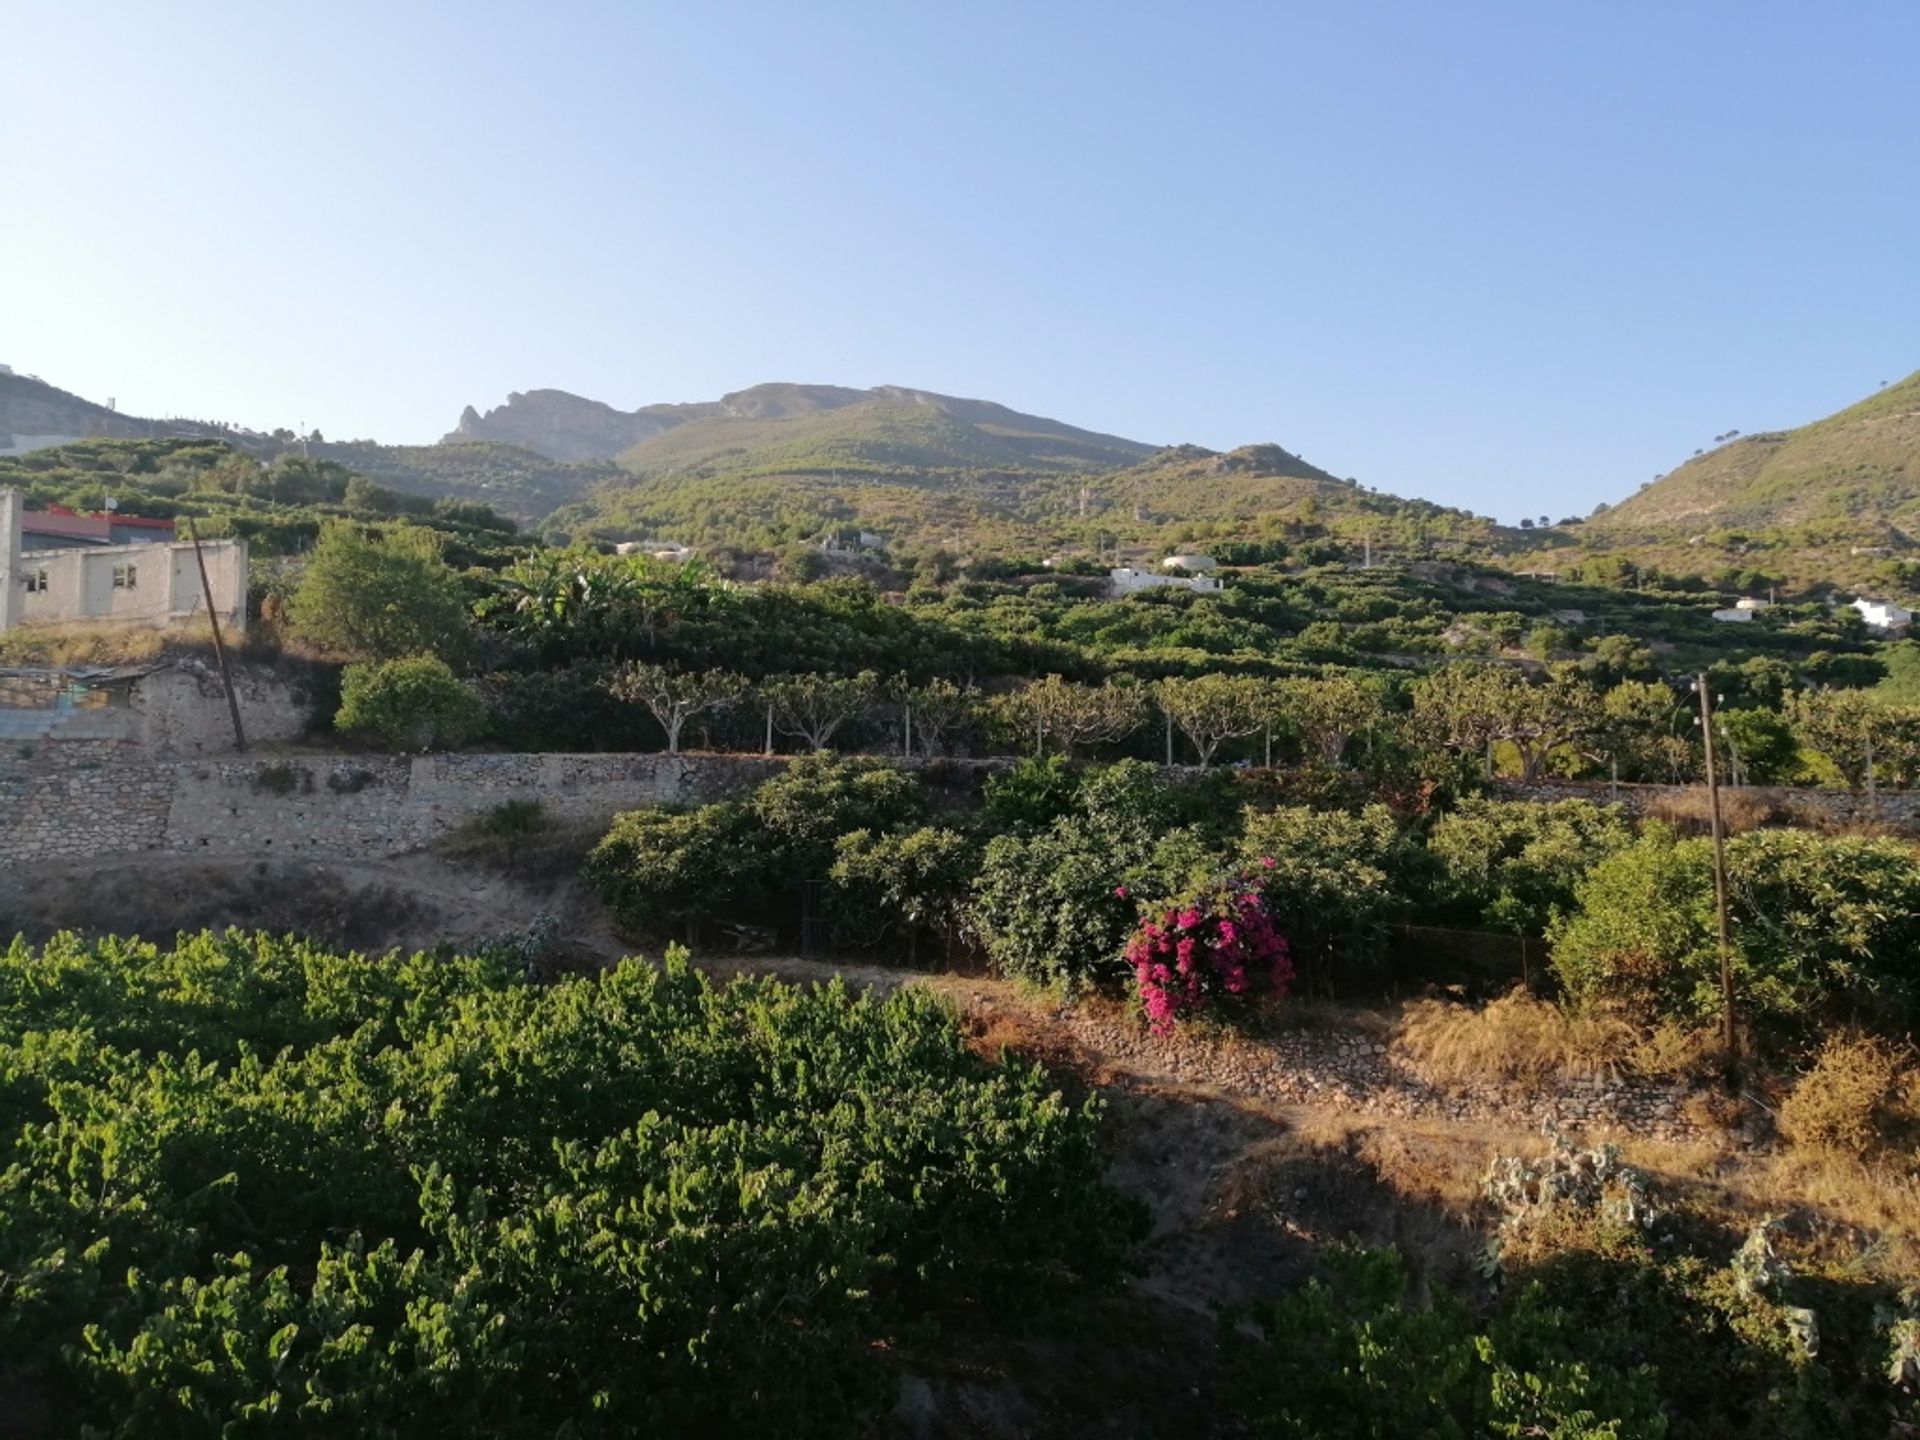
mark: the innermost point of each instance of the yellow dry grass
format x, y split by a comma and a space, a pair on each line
1517, 1038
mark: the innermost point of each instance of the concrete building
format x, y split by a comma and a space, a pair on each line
58, 528
1883, 615
1125, 580
102, 581
1734, 616
1192, 564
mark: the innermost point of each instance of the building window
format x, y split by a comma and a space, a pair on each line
34, 580
124, 576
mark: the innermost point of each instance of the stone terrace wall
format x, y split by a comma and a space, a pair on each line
78, 800
1892, 807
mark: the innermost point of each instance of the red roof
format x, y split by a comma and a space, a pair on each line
66, 524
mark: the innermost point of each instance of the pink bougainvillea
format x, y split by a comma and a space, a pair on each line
1216, 944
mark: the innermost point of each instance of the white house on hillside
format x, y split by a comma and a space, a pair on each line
1127, 581
1883, 615
1192, 564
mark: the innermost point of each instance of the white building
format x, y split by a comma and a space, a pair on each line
1192, 564
1127, 581
1751, 602
1735, 616
155, 584
1883, 615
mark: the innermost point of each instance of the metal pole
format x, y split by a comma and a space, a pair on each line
1727, 1040
1169, 739
219, 645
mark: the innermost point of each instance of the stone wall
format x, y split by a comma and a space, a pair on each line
1891, 807
77, 800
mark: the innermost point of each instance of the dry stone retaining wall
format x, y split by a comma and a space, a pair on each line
77, 800
1347, 1069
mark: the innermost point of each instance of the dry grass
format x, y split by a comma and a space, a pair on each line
1517, 1038
1689, 811
1861, 1100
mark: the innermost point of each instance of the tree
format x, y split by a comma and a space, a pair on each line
937, 711
378, 598
813, 707
1852, 728
1328, 712
1211, 709
1076, 715
1469, 707
674, 697
410, 704
1514, 866
1644, 733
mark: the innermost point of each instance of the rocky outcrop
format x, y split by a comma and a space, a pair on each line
561, 426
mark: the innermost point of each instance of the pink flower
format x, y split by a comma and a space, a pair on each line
1121, 891
1266, 862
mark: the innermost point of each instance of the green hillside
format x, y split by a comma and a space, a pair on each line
1858, 469
513, 480
781, 429
782, 463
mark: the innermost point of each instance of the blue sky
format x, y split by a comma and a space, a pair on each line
1513, 257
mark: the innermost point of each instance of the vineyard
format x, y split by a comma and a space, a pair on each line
254, 1187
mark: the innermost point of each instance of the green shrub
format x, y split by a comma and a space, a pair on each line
1349, 1356
409, 705
1822, 930
1056, 907
1031, 795
667, 871
251, 1187
1331, 881
1513, 866
819, 798
906, 885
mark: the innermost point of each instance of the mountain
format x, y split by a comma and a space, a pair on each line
561, 426
36, 416
889, 425
1858, 471
889, 429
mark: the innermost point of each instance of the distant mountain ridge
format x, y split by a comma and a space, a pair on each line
563, 426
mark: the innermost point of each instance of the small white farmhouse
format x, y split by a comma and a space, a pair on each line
1883, 615
1127, 581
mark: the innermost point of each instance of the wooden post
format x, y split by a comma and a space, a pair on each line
769, 727
1169, 715
1728, 1041
219, 645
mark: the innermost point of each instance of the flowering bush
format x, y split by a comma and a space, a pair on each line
1218, 943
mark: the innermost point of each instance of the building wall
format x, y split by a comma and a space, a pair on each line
138, 584
178, 709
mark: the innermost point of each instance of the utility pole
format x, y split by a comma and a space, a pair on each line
219, 645
1727, 1041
